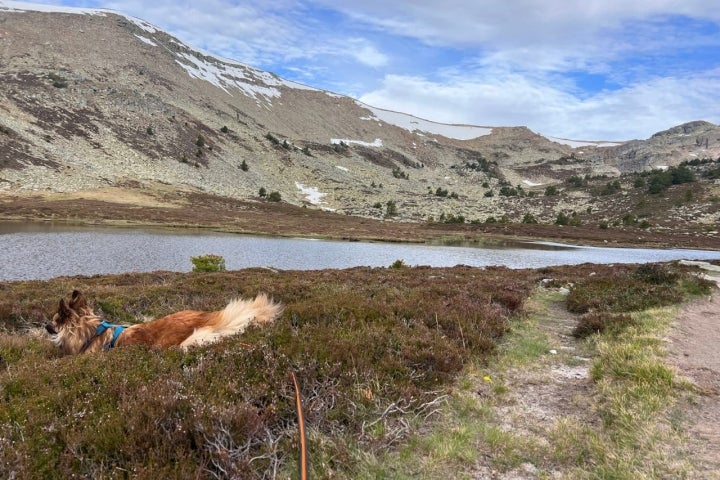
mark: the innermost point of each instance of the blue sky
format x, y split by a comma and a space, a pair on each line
586, 70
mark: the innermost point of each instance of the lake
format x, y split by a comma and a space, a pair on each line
42, 251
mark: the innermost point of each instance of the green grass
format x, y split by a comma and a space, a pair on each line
635, 397
636, 393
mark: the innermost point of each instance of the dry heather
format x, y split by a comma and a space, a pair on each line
381, 356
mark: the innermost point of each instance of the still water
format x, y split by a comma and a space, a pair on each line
40, 251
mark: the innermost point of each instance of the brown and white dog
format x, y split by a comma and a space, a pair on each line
76, 329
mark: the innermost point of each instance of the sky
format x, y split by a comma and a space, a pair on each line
579, 69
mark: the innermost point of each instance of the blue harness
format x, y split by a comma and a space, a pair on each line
116, 333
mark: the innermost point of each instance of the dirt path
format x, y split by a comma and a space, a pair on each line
695, 352
546, 394
552, 396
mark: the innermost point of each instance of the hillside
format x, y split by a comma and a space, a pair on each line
142, 111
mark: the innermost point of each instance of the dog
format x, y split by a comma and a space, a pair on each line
75, 328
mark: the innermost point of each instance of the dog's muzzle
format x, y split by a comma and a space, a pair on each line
51, 330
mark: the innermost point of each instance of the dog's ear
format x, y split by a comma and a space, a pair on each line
64, 311
77, 301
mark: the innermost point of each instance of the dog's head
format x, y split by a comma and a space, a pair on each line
68, 315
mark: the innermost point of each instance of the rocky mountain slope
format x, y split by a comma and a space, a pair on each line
91, 100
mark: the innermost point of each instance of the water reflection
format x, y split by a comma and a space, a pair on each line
41, 251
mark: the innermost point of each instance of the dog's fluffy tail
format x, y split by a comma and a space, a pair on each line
234, 319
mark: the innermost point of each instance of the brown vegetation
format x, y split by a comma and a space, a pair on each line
168, 207
372, 349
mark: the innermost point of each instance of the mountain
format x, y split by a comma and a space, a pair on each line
93, 100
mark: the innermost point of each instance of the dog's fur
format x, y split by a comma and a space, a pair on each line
74, 326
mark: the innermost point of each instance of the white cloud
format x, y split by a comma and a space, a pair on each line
535, 34
369, 55
509, 99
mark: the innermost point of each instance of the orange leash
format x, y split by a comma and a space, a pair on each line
301, 423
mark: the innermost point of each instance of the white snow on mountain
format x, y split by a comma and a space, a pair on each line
377, 143
414, 124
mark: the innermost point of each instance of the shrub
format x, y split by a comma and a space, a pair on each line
262, 193
576, 181
601, 322
562, 219
399, 263
452, 218
208, 263
398, 173
391, 209
656, 274
244, 166
610, 188
272, 139
508, 191
551, 190
200, 141
648, 286
341, 147
224, 129
660, 180
529, 218
629, 219
274, 196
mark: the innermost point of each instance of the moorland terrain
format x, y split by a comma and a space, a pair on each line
562, 372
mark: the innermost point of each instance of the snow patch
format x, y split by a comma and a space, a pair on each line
583, 143
376, 143
312, 194
225, 76
531, 184
146, 40
416, 125
36, 7
344, 169
142, 24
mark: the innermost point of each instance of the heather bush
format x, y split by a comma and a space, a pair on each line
601, 322
627, 291
369, 346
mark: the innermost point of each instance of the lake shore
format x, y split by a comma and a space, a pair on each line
207, 212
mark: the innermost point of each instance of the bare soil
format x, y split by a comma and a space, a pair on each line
695, 352
555, 388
